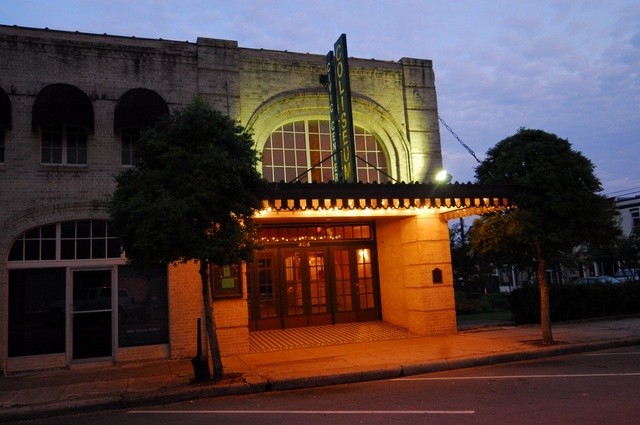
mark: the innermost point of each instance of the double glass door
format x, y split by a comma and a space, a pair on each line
310, 286
306, 287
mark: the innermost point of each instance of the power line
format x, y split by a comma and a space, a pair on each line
624, 192
473, 154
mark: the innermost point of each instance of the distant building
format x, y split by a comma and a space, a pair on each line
627, 212
71, 109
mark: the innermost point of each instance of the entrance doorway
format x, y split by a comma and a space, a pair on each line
91, 314
310, 286
306, 287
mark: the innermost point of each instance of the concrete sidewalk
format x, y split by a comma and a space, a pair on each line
92, 388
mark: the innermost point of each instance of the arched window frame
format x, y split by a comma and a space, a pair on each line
68, 240
303, 147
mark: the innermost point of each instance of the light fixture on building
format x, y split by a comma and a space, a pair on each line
443, 177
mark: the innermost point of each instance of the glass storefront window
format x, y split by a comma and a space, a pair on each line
36, 311
143, 306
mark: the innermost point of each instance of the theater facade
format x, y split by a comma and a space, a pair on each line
72, 106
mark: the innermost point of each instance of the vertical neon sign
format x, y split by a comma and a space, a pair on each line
340, 94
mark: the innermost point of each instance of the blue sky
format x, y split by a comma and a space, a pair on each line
568, 67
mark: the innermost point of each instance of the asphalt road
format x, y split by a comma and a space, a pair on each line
590, 388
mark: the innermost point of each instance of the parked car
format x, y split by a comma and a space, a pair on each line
598, 279
628, 274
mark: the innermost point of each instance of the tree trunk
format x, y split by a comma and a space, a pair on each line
210, 321
545, 309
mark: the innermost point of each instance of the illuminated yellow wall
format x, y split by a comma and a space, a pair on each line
409, 249
396, 101
186, 306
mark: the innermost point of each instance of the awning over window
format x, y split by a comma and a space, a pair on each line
5, 110
139, 108
64, 105
452, 200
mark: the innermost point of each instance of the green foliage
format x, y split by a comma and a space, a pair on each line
502, 239
555, 190
574, 302
625, 249
193, 192
470, 272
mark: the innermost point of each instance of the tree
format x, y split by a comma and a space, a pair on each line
191, 197
471, 272
558, 205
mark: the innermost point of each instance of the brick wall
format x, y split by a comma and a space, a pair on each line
409, 250
262, 89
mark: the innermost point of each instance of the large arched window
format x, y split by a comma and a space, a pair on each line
301, 150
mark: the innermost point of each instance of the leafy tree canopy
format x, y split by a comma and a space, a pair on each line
192, 193
555, 190
558, 206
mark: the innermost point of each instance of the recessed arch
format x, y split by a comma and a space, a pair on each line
22, 222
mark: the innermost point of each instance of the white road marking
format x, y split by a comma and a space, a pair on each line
305, 412
576, 375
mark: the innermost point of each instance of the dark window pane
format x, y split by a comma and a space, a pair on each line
48, 248
98, 248
68, 229
126, 156
113, 248
99, 229
83, 251
48, 232
82, 156
32, 250
16, 253
71, 156
56, 156
67, 249
36, 312
84, 229
110, 231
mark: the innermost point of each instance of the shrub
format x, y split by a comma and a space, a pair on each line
575, 302
475, 303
